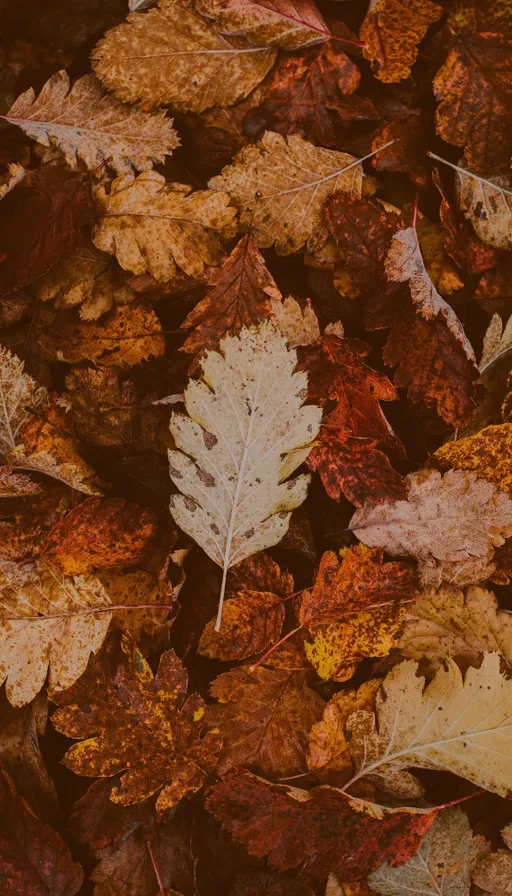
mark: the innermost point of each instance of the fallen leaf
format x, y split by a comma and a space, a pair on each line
137, 588
13, 485
264, 717
14, 176
149, 730
26, 527
487, 454
150, 225
317, 831
239, 297
453, 725
289, 24
406, 154
251, 621
442, 864
493, 872
41, 220
88, 124
488, 205
392, 33
244, 415
298, 325
21, 396
200, 67
49, 623
474, 87
450, 623
33, 856
280, 186
99, 534
450, 524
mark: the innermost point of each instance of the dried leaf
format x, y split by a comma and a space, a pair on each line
21, 396
13, 485
137, 588
251, 621
264, 717
245, 416
157, 227
88, 124
200, 68
488, 205
392, 33
280, 186
289, 24
497, 342
450, 524
493, 873
149, 730
487, 454
298, 325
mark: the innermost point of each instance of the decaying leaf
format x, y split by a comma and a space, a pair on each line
289, 24
49, 623
456, 725
316, 831
392, 32
264, 717
171, 55
20, 394
450, 524
298, 325
280, 186
245, 416
488, 454
493, 873
157, 227
488, 205
251, 621
90, 125
497, 343
442, 865
450, 623
149, 730
16, 484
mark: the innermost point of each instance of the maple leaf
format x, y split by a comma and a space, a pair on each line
42, 615
451, 623
149, 730
453, 725
443, 862
172, 55
475, 89
89, 125
487, 453
450, 524
239, 297
264, 717
41, 223
98, 535
153, 226
88, 278
289, 24
319, 831
280, 186
34, 857
354, 610
492, 872
392, 32
245, 416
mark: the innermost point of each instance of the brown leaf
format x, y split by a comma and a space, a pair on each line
487, 453
33, 857
40, 224
264, 717
150, 730
493, 872
407, 151
289, 24
250, 622
23, 533
392, 32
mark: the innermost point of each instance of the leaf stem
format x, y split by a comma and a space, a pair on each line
274, 647
161, 891
91, 611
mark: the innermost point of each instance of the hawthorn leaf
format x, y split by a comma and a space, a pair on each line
20, 395
493, 872
245, 433
251, 621
149, 730
264, 717
487, 453
450, 524
34, 858
319, 831
153, 226
172, 55
442, 865
497, 342
280, 186
488, 205
288, 24
455, 724
392, 32
298, 325
450, 623
48, 623
88, 124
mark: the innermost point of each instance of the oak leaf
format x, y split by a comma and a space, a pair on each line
319, 831
392, 32
450, 623
40, 225
245, 434
280, 186
171, 55
88, 124
153, 226
493, 873
99, 535
149, 730
442, 864
34, 857
454, 724
239, 297
264, 717
487, 453
289, 24
475, 89
49, 623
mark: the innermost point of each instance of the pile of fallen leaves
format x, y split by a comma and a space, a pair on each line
255, 447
